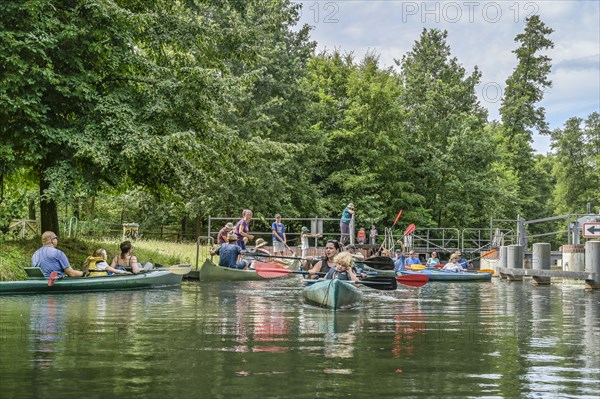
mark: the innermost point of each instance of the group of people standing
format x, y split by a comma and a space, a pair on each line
51, 259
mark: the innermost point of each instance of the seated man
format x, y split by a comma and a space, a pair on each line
462, 261
399, 261
50, 259
229, 254
412, 260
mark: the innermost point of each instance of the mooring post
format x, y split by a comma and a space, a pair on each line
541, 261
514, 260
503, 259
592, 263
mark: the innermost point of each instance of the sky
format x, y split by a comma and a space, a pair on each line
480, 33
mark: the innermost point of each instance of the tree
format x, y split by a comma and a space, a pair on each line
520, 113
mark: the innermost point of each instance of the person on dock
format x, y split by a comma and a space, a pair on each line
342, 269
242, 229
361, 236
223, 233
373, 233
51, 259
127, 261
332, 248
304, 236
96, 265
345, 220
229, 254
278, 235
433, 260
356, 255
412, 260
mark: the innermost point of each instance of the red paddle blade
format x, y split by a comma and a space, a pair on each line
52, 278
413, 280
397, 218
270, 270
411, 227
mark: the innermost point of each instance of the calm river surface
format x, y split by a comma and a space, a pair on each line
259, 340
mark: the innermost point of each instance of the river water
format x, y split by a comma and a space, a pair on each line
259, 340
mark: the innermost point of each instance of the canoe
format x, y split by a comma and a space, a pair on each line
39, 285
209, 271
333, 294
441, 275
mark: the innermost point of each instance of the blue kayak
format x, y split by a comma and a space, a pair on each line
441, 275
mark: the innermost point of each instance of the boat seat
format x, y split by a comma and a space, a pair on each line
34, 272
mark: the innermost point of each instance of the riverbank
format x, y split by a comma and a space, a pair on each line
14, 255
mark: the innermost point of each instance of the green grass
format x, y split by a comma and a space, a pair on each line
16, 254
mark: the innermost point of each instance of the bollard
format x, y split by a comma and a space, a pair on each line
514, 260
573, 257
592, 263
503, 256
541, 261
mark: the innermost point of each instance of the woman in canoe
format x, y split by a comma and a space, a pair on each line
433, 261
242, 229
96, 264
127, 260
332, 248
343, 268
453, 265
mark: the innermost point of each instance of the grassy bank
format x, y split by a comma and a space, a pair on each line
14, 255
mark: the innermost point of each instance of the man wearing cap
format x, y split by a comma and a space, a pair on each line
223, 233
345, 223
278, 235
357, 256
50, 259
399, 261
462, 261
229, 254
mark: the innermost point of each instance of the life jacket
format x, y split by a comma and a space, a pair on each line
93, 270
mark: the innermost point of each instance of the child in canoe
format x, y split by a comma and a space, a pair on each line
343, 268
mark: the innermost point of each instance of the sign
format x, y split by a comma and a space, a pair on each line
591, 230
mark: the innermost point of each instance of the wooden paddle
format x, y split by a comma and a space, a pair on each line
385, 283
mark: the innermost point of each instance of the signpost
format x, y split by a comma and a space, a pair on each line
591, 230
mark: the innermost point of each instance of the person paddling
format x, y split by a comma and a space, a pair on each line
332, 248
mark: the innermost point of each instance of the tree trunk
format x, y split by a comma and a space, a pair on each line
183, 227
48, 209
31, 209
198, 227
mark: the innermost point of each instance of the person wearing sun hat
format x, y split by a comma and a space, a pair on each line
347, 215
229, 254
223, 233
258, 253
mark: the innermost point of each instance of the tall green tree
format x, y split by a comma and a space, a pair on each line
521, 113
577, 149
447, 151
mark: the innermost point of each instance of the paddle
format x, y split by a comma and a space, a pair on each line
379, 262
385, 283
375, 262
417, 267
175, 269
53, 277
411, 227
397, 218
413, 280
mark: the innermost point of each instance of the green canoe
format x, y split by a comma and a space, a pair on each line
209, 271
39, 285
332, 294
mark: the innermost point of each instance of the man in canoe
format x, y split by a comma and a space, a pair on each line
412, 260
223, 233
50, 259
229, 254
